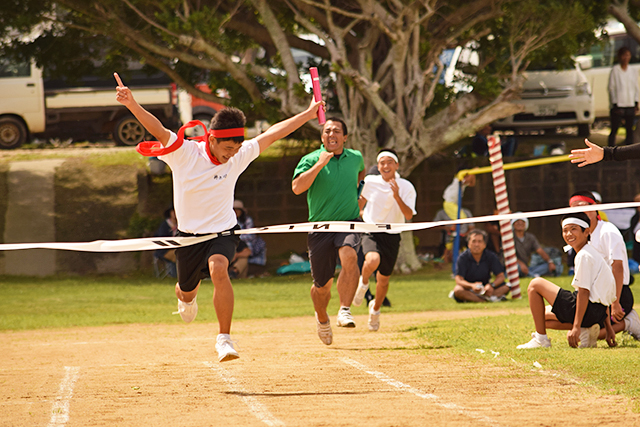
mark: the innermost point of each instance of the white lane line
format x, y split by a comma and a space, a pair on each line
407, 388
60, 409
258, 409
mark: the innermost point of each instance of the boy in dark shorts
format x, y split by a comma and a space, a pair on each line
386, 199
204, 178
584, 310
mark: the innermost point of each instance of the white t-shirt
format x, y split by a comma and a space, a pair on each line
381, 207
593, 273
623, 87
607, 239
203, 193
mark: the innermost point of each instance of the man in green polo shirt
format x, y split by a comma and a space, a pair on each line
331, 176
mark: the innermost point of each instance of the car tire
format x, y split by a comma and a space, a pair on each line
584, 130
13, 133
128, 132
205, 119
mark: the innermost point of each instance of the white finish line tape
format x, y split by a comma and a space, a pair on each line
153, 243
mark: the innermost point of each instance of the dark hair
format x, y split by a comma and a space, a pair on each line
622, 50
389, 150
229, 118
477, 231
167, 212
580, 215
588, 194
336, 119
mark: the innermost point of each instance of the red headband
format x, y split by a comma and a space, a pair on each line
227, 133
582, 199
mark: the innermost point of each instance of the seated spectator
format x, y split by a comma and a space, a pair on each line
252, 248
168, 228
526, 244
595, 292
473, 272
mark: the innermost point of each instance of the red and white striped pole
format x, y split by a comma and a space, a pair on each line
502, 203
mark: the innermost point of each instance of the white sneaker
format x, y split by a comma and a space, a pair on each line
374, 317
224, 345
360, 292
345, 319
536, 342
589, 336
324, 331
632, 324
188, 310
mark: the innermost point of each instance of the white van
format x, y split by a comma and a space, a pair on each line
551, 98
597, 64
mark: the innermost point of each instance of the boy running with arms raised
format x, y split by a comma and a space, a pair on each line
204, 178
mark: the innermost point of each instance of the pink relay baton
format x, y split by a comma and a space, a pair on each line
317, 95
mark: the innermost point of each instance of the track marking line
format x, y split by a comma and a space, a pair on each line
60, 409
409, 389
258, 409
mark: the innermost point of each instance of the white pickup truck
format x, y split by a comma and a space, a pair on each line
30, 107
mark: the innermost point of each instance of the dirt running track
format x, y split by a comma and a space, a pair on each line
168, 375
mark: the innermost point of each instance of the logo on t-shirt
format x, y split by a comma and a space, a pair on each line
217, 177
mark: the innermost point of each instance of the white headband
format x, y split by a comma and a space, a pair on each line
576, 221
387, 154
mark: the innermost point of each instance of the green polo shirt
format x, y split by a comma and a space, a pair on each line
333, 196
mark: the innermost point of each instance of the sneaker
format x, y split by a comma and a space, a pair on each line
589, 336
324, 331
345, 319
359, 296
374, 317
632, 324
536, 342
188, 310
224, 345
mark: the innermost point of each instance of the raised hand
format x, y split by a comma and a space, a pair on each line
123, 93
586, 156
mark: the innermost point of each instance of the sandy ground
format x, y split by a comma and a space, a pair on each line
168, 375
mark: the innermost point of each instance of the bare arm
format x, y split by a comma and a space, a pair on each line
618, 273
146, 119
467, 285
302, 182
547, 258
406, 210
285, 127
582, 300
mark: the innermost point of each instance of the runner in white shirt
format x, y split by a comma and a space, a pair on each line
204, 179
386, 199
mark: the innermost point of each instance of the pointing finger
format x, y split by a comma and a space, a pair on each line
118, 79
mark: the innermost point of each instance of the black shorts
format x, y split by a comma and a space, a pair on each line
626, 299
193, 261
565, 310
323, 253
387, 245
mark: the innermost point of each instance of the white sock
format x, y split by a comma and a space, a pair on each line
224, 336
542, 336
343, 307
